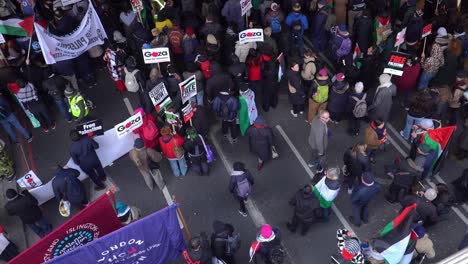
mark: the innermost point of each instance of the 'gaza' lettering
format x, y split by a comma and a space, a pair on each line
155, 53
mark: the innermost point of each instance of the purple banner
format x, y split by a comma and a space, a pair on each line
155, 239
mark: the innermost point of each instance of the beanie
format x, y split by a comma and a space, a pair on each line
359, 87
351, 245
441, 32
427, 124
323, 73
340, 77
259, 121
430, 194
238, 166
419, 230
266, 231
138, 143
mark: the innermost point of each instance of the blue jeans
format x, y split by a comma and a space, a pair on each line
41, 227
12, 120
424, 80
63, 108
198, 98
410, 121
178, 167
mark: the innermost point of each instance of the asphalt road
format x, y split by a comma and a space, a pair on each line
205, 199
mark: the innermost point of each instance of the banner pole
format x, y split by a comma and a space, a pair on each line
424, 47
179, 212
141, 19
191, 124
159, 68
29, 50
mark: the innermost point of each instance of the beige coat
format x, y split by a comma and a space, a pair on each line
424, 245
308, 69
140, 157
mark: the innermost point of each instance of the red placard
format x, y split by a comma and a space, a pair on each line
426, 31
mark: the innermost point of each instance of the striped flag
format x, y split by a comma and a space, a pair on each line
324, 194
17, 27
437, 139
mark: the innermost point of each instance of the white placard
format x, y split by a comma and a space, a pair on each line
29, 180
188, 88
156, 55
400, 38
251, 35
246, 5
127, 126
2, 39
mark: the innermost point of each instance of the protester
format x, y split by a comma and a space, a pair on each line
357, 163
55, 86
375, 137
199, 250
261, 141
326, 191
432, 64
240, 185
68, 187
126, 213
267, 239
78, 106
171, 146
338, 98
420, 108
147, 161
318, 139
317, 29
8, 118
226, 106
361, 197
195, 146
306, 210
349, 246
297, 24
295, 89
148, 131
318, 94
357, 109
220, 242
427, 212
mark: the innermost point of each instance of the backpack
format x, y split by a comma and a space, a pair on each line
205, 67
360, 109
150, 131
277, 255
321, 95
243, 188
233, 244
345, 48
223, 111
275, 24
130, 80
175, 39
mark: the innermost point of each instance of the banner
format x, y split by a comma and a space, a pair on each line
69, 2
400, 38
155, 239
426, 31
188, 112
94, 221
396, 63
88, 34
91, 128
188, 88
127, 126
160, 97
251, 35
172, 118
156, 55
30, 180
246, 5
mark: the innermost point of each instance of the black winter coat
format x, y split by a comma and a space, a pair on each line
414, 29
26, 207
219, 80
174, 92
261, 139
54, 86
68, 187
363, 28
352, 102
426, 210
305, 206
83, 152
200, 121
363, 194
238, 72
356, 164
338, 97
294, 79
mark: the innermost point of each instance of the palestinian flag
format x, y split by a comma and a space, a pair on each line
254, 248
397, 237
409, 249
17, 27
330, 3
357, 55
324, 194
437, 140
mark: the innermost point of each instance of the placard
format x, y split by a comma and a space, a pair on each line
188, 88
246, 5
91, 128
251, 35
29, 180
137, 5
426, 31
172, 118
160, 97
156, 55
400, 38
188, 112
127, 126
396, 63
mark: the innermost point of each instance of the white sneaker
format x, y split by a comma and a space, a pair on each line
310, 165
350, 190
293, 114
301, 112
243, 214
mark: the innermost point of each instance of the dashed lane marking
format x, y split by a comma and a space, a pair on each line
397, 134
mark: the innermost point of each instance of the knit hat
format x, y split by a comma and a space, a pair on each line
189, 31
430, 194
266, 231
259, 121
238, 166
122, 209
118, 37
384, 78
359, 87
427, 124
138, 143
441, 32
419, 230
211, 39
340, 77
351, 245
322, 74
367, 178
11, 194
274, 6
342, 27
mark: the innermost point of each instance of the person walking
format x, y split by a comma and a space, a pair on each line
261, 141
146, 160
349, 247
55, 86
78, 105
375, 137
295, 89
171, 146
267, 239
306, 210
326, 191
195, 146
220, 246
8, 118
357, 109
83, 153
317, 28
338, 98
26, 207
382, 101
318, 94
68, 187
318, 139
361, 197
227, 107
357, 163
297, 23
240, 184
421, 106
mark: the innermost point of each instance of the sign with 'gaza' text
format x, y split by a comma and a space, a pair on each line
156, 55
251, 35
29, 180
127, 126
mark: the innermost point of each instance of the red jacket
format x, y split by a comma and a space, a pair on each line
167, 145
148, 143
255, 68
408, 81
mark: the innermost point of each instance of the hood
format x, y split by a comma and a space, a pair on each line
340, 87
385, 79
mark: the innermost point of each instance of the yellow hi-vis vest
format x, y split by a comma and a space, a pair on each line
75, 109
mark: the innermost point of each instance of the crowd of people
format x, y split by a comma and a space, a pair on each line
332, 54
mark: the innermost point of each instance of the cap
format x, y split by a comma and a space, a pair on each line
426, 124
340, 76
138, 143
342, 27
266, 231
441, 32
430, 194
122, 209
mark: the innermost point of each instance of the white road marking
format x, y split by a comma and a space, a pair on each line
392, 141
311, 175
397, 134
128, 105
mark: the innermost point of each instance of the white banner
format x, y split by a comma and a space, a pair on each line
156, 55
251, 35
69, 2
245, 6
29, 180
88, 34
127, 126
188, 88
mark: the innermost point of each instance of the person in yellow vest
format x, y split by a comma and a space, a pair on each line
78, 106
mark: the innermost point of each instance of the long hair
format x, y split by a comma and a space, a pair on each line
359, 148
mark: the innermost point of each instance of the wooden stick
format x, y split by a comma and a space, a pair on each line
191, 124
29, 50
424, 46
159, 68
179, 212
141, 19
437, 6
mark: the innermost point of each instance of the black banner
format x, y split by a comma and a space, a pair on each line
91, 128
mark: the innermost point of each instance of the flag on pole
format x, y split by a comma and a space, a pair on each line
437, 139
396, 237
357, 54
17, 27
330, 3
280, 59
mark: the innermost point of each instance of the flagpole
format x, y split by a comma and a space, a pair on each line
179, 212
29, 47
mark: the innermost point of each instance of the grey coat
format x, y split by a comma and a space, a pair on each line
382, 103
318, 138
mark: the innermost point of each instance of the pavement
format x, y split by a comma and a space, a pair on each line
204, 199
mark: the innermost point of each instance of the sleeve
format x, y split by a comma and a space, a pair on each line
31, 198
94, 144
232, 184
358, 259
74, 157
340, 237
250, 178
57, 193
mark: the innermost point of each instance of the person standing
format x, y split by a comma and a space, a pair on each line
78, 105
55, 86
305, 210
375, 137
357, 109
195, 146
26, 207
434, 62
267, 239
309, 69
240, 184
338, 98
382, 101
219, 241
357, 163
227, 107
8, 118
68, 187
295, 88
261, 141
349, 246
361, 197
326, 191
146, 160
83, 153
27, 95
318, 139
297, 24
340, 42
421, 106
356, 9
318, 94
317, 28
171, 146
